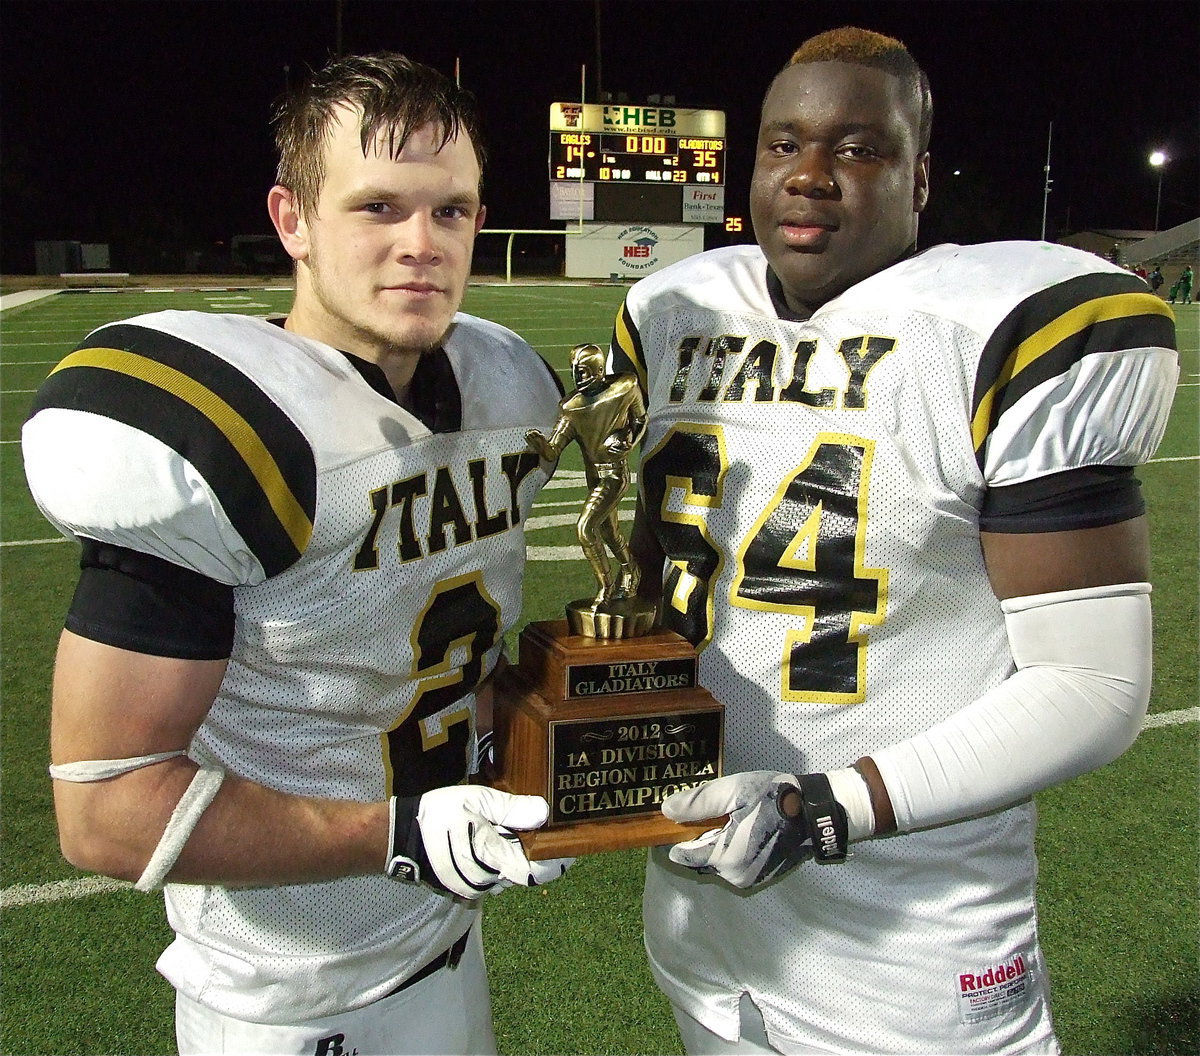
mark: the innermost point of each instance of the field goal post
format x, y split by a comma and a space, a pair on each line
512, 233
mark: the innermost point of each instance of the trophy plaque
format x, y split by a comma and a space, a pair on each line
604, 730
602, 715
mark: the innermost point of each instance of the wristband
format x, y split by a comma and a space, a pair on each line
824, 818
404, 860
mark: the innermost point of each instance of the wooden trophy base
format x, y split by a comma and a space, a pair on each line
604, 730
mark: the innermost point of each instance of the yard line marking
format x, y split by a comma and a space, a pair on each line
35, 542
553, 553
557, 520
573, 504
32, 894
1171, 718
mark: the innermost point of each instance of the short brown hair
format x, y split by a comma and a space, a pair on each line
393, 94
862, 47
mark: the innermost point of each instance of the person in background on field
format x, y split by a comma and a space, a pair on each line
302, 545
889, 495
1155, 278
1182, 287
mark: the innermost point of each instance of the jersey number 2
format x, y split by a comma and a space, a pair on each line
803, 556
428, 747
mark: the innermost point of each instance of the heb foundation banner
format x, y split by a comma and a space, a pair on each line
601, 251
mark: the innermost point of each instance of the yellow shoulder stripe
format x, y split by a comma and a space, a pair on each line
1054, 333
236, 429
627, 345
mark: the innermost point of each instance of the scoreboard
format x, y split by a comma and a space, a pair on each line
636, 158
614, 162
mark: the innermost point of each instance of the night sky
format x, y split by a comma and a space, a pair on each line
127, 118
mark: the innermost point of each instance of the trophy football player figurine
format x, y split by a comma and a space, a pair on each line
602, 715
605, 415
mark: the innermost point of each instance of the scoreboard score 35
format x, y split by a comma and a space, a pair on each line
670, 161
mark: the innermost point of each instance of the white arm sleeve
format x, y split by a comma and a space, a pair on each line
1075, 702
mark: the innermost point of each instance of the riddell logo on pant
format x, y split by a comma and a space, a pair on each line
1001, 973
332, 1046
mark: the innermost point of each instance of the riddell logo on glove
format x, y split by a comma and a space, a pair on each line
826, 835
402, 868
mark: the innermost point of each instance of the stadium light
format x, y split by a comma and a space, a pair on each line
1157, 160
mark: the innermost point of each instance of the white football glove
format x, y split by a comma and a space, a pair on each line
460, 841
775, 822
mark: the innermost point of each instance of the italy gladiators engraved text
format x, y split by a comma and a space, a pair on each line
645, 676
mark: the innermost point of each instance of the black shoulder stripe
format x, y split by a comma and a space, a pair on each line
1053, 329
256, 460
627, 346
558, 384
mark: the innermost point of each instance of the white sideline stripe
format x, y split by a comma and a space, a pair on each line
61, 890
11, 300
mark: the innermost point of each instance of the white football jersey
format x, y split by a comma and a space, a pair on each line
817, 489
376, 566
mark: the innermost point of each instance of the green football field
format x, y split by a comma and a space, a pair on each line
1118, 883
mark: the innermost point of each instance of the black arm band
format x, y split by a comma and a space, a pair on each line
824, 817
1088, 497
134, 601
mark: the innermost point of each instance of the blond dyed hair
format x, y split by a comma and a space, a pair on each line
863, 47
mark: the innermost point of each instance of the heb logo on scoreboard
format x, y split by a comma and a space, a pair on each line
638, 248
637, 119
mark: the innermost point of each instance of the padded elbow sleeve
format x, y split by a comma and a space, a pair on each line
1075, 703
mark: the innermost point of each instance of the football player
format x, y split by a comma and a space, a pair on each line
302, 545
890, 495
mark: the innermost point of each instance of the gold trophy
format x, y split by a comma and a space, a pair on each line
602, 715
